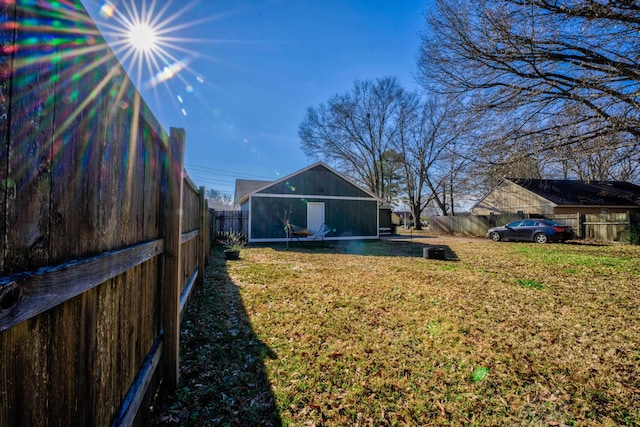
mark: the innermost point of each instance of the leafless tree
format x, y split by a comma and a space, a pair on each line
393, 142
430, 157
596, 160
219, 200
528, 62
603, 158
356, 131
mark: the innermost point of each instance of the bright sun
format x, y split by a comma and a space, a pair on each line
143, 33
142, 37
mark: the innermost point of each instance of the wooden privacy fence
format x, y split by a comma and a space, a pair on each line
602, 227
223, 222
102, 233
474, 225
612, 226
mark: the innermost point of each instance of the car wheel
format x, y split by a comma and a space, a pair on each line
540, 238
495, 236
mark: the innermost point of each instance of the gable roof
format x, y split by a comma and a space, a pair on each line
244, 187
581, 193
256, 186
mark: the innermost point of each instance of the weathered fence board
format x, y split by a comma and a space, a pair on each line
7, 37
134, 399
27, 180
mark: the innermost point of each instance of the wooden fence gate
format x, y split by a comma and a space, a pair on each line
102, 233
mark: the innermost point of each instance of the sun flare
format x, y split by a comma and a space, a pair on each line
149, 39
142, 37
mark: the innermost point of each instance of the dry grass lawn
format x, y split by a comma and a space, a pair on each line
372, 333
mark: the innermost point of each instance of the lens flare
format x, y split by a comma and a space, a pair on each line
107, 9
142, 37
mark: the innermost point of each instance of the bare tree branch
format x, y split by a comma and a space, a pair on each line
532, 60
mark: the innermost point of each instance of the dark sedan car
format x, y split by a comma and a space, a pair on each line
531, 230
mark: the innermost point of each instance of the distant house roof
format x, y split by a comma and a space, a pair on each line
386, 205
245, 187
404, 214
581, 193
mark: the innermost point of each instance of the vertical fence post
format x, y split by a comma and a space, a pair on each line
581, 226
202, 249
212, 227
172, 277
207, 230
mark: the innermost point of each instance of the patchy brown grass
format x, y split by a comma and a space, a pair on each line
371, 333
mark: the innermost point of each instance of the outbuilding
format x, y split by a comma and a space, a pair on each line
313, 199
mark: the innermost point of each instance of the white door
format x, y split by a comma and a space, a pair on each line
315, 216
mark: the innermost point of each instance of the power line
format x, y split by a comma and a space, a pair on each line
227, 172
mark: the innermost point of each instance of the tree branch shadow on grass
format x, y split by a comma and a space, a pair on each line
223, 379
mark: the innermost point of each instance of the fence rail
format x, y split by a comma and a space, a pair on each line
27, 294
103, 236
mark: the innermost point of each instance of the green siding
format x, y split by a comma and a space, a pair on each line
347, 218
267, 217
316, 181
352, 217
385, 218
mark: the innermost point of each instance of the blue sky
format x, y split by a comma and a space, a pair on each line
253, 67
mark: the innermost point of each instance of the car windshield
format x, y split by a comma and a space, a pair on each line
550, 223
514, 224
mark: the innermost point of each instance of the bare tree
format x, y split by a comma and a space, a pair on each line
455, 172
527, 62
602, 158
391, 141
218, 200
598, 160
356, 131
422, 147
435, 156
